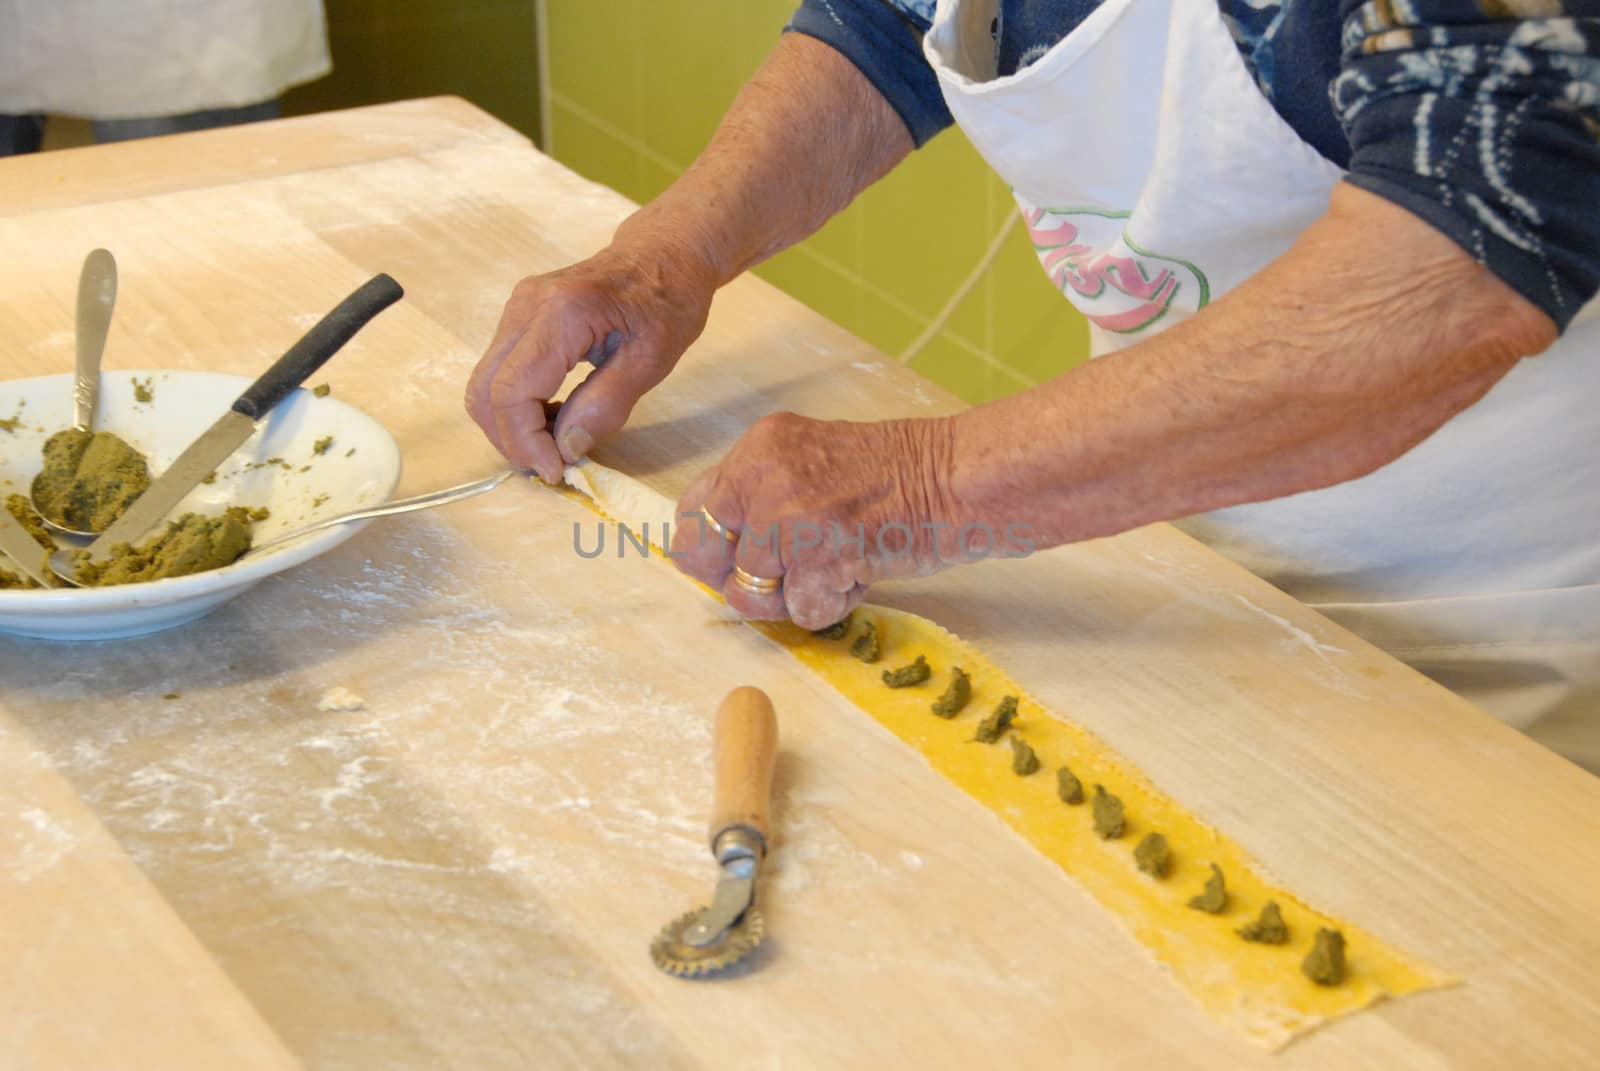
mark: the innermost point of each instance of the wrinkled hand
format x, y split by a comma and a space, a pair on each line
828, 506
631, 314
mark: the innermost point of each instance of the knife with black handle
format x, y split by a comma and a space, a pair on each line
214, 445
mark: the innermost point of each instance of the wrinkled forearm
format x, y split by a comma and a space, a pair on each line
1357, 344
804, 136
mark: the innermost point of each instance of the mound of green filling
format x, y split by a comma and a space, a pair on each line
836, 631
1153, 856
20, 508
1214, 897
88, 480
1109, 820
867, 646
1268, 928
193, 543
906, 676
1324, 965
1023, 759
955, 696
995, 725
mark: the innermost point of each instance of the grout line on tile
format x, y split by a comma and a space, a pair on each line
616, 133
907, 311
541, 31
990, 361
637, 113
989, 276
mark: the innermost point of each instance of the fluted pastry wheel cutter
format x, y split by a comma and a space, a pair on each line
744, 746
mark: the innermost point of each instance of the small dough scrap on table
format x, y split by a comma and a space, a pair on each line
340, 699
1256, 989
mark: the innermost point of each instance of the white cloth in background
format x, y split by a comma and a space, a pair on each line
128, 59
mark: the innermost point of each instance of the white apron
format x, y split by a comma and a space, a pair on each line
144, 59
1154, 176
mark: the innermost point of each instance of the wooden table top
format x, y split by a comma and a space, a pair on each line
467, 871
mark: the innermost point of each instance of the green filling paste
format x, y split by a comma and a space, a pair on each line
995, 725
1023, 760
836, 631
1268, 927
10, 424
191, 544
1109, 820
321, 390
322, 445
955, 696
905, 676
1153, 855
142, 391
20, 508
1214, 897
1068, 787
88, 480
1324, 964
866, 646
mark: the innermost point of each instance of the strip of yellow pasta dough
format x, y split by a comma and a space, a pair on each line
1256, 989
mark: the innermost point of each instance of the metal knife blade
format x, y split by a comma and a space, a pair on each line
19, 546
225, 436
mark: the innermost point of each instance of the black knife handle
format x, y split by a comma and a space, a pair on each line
319, 344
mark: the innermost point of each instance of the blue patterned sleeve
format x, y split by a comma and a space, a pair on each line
884, 41
1483, 118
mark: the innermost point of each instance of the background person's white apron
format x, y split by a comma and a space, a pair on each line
142, 59
1154, 176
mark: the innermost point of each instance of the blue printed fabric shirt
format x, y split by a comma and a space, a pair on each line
1480, 116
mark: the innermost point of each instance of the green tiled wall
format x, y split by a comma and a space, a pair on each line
637, 87
483, 50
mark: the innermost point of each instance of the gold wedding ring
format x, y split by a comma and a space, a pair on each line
717, 526
756, 585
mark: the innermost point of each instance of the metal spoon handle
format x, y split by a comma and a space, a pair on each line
399, 505
97, 296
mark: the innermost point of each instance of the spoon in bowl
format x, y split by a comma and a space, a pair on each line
97, 296
63, 566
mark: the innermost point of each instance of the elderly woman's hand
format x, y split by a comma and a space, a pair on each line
822, 509
630, 310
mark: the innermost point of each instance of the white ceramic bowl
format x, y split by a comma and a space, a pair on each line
360, 469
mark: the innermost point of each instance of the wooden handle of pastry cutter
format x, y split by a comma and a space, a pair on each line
744, 747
